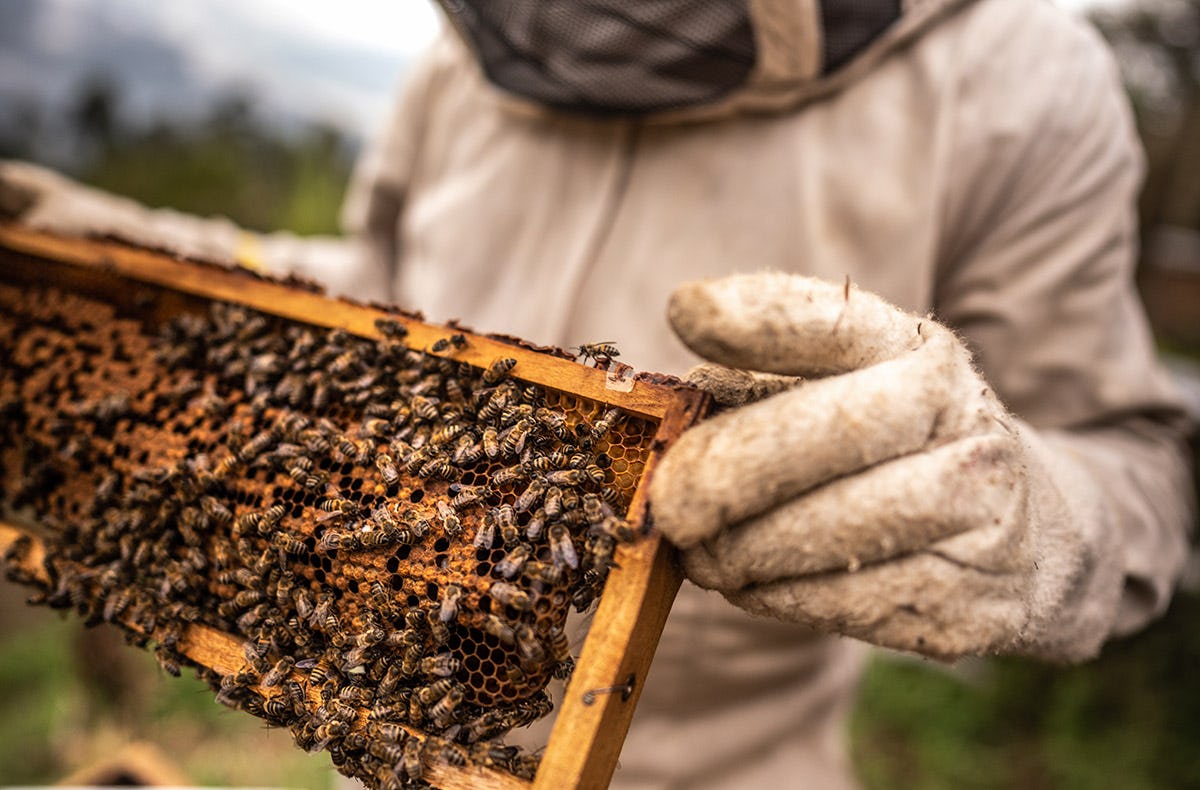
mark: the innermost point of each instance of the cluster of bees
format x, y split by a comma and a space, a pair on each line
395, 536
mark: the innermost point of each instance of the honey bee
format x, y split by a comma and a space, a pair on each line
442, 665
484, 726
491, 442
439, 632
346, 446
339, 505
465, 496
288, 544
553, 421
376, 427
529, 647
256, 446
413, 751
499, 629
333, 541
225, 468
117, 602
514, 439
270, 517
248, 598
453, 754
390, 327
427, 695
605, 423
543, 572
446, 433
392, 711
560, 646
299, 468
565, 477
450, 521
247, 522
515, 413
315, 441
254, 653
387, 469
458, 341
530, 497
544, 463
167, 662
438, 467
106, 490
498, 370
467, 450
448, 609
417, 458
321, 391
344, 363
615, 528
494, 755
510, 474
562, 549
537, 522
216, 511
370, 636
602, 353
512, 563
329, 731
280, 709
510, 595
486, 535
278, 673
425, 408
386, 536
553, 502
496, 402
443, 710
594, 509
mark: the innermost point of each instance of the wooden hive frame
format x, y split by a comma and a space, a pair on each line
590, 727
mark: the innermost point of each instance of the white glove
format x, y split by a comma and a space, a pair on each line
887, 495
43, 200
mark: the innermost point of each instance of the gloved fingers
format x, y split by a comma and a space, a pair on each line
732, 387
791, 325
18, 191
750, 459
925, 603
889, 510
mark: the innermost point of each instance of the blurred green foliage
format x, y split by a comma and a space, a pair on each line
1129, 719
54, 721
264, 174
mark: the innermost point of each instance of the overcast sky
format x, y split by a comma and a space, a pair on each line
403, 25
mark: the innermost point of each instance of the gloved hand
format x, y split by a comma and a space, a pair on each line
887, 494
43, 200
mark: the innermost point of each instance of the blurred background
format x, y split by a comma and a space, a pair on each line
257, 111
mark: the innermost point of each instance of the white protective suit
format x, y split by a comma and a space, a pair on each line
977, 161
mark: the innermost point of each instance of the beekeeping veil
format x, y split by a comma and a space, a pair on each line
681, 58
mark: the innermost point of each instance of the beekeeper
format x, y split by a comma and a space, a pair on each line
900, 237
924, 210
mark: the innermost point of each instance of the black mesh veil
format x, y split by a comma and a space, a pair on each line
611, 56
850, 25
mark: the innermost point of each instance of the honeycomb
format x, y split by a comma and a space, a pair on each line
396, 537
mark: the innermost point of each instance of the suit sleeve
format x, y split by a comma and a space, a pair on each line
1037, 276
